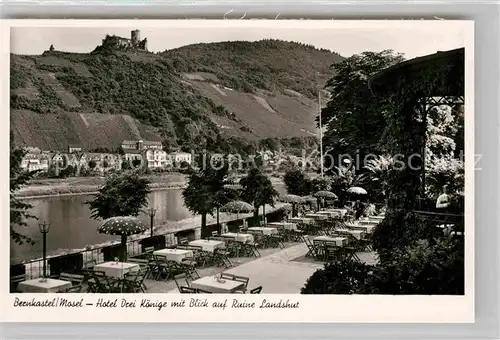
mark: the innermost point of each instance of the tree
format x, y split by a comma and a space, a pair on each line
123, 194
205, 191
375, 179
354, 117
342, 179
258, 189
423, 267
297, 183
320, 184
19, 210
344, 277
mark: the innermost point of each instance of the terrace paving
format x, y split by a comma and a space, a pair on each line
278, 271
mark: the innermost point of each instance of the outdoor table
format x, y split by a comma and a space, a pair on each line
48, 286
327, 213
356, 233
283, 225
376, 218
368, 228
176, 255
317, 216
208, 245
369, 222
264, 230
117, 269
342, 212
339, 240
210, 284
304, 220
245, 238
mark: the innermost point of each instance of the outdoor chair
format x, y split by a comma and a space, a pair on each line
189, 267
332, 252
256, 290
141, 262
134, 281
15, 280
100, 283
75, 279
320, 249
221, 258
149, 249
274, 241
234, 248
313, 252
352, 247
187, 290
202, 291
74, 289
227, 276
162, 267
242, 279
183, 240
215, 233
181, 280
90, 264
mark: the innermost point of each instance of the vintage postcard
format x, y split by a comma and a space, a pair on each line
249, 171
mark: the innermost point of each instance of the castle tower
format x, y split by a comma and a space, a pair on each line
135, 36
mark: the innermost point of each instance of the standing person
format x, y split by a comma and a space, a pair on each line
359, 208
443, 201
370, 209
442, 204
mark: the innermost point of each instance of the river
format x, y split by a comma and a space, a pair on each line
71, 226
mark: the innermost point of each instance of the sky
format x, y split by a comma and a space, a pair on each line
412, 38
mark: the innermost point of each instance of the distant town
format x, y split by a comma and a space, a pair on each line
131, 154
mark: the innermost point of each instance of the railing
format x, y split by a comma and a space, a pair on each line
455, 221
34, 268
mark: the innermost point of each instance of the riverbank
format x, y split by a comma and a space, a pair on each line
168, 229
90, 185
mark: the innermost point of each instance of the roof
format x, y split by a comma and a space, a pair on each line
451, 63
133, 151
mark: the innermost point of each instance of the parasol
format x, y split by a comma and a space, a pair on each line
309, 199
323, 194
237, 207
357, 191
293, 199
123, 226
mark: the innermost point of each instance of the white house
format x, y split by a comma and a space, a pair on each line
156, 158
180, 157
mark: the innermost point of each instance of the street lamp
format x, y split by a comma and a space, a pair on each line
44, 229
152, 213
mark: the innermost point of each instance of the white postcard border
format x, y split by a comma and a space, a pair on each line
325, 308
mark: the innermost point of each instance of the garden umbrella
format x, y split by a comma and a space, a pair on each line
323, 194
357, 191
293, 199
123, 226
237, 207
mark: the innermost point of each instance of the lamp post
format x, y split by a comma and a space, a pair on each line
320, 132
152, 213
44, 229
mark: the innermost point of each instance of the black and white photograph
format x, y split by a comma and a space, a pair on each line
243, 160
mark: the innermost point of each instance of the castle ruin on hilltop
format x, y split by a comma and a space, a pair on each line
119, 43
